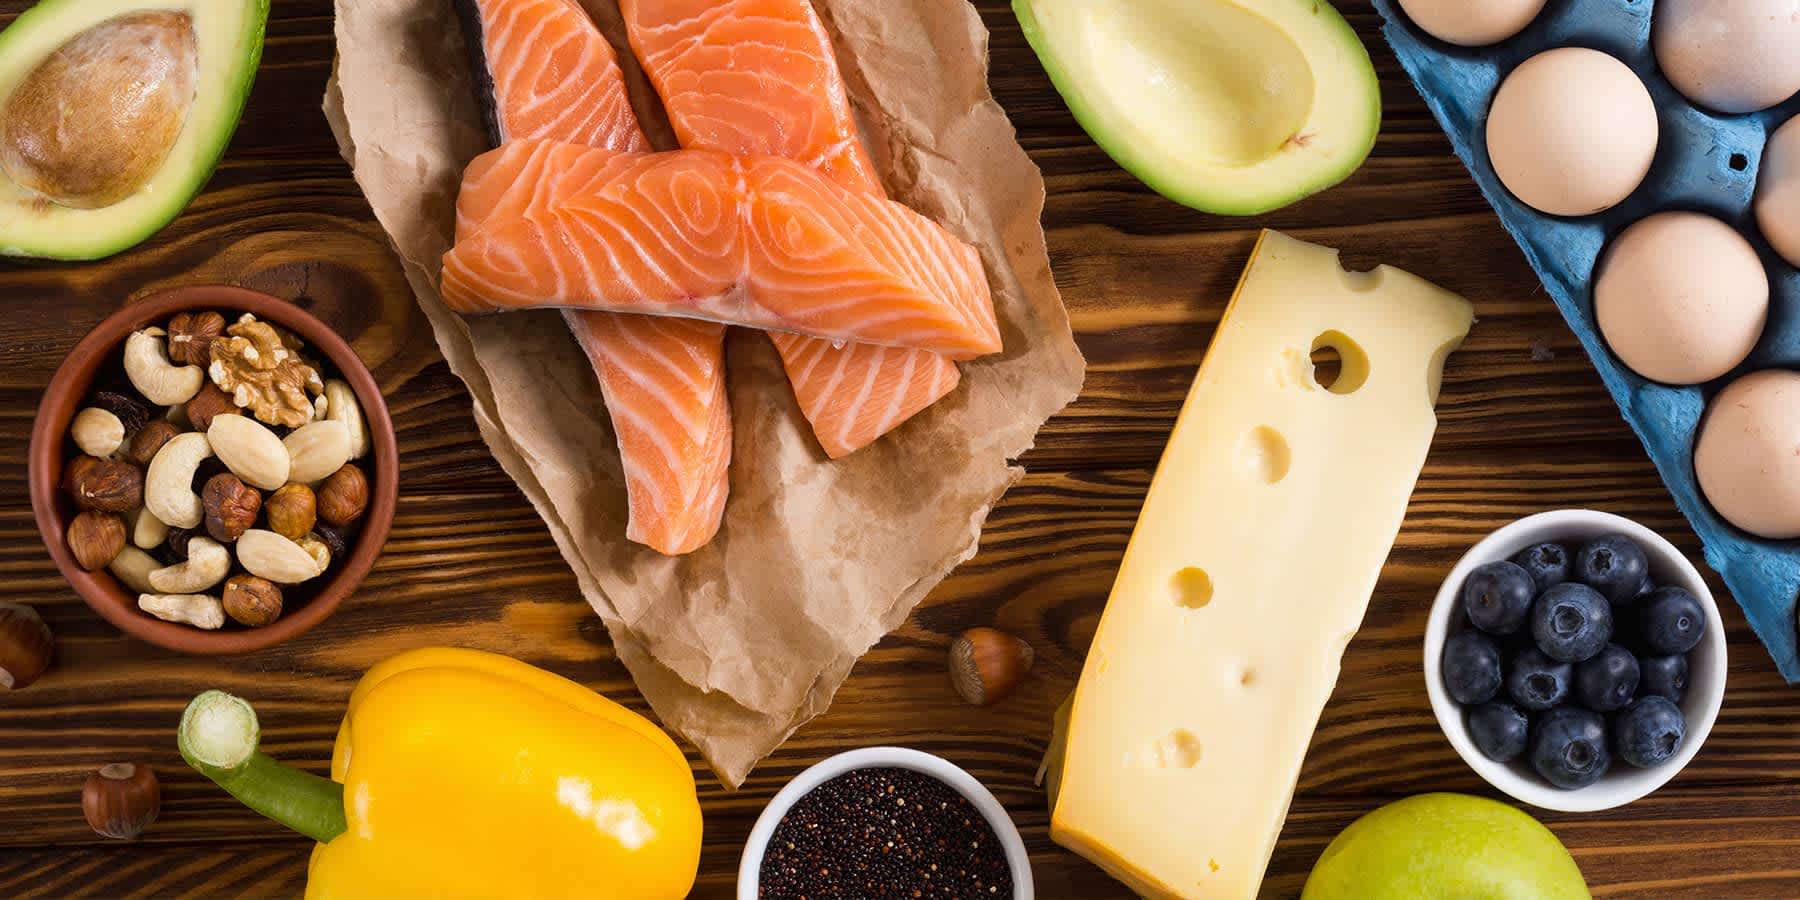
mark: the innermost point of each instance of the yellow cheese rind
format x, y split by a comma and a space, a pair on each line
1252, 563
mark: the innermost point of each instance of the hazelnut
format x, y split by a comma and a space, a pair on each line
108, 486
252, 601
95, 537
343, 496
121, 800
25, 646
132, 414
986, 664
191, 336
142, 447
72, 473
292, 511
230, 507
316, 548
209, 402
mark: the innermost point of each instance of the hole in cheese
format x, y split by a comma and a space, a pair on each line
1191, 587
1339, 363
1178, 749
1263, 455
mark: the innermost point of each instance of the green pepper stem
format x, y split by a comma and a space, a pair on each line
219, 735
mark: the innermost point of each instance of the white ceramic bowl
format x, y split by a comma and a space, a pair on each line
1706, 662
750, 868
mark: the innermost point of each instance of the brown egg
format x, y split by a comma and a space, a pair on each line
97, 118
1681, 297
1472, 24
1572, 131
1734, 56
1778, 192
1748, 455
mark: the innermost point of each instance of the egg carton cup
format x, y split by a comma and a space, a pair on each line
1705, 162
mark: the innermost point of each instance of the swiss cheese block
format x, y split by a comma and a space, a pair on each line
1273, 508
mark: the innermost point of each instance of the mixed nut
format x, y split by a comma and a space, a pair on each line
244, 485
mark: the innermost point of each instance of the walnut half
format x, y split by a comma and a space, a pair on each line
258, 369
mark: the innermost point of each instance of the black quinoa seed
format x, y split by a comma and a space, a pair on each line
874, 834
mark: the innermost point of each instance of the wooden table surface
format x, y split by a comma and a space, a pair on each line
1525, 426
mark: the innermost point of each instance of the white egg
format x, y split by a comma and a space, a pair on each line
1733, 56
1747, 458
1681, 297
1472, 23
1572, 131
1778, 192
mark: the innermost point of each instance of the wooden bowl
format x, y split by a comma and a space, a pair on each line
50, 450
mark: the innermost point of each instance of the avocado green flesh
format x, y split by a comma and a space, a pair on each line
1235, 107
229, 35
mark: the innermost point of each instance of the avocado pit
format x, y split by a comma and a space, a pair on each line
99, 116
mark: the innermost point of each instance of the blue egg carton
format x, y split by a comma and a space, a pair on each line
1705, 162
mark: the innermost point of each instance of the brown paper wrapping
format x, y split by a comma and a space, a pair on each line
739, 643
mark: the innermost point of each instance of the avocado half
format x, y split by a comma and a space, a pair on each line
113, 115
1235, 107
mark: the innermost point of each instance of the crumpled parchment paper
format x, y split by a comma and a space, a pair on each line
741, 642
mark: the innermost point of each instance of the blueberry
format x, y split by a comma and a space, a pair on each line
1649, 731
1671, 621
1571, 622
1664, 676
1569, 749
1614, 565
1547, 564
1497, 597
1499, 730
1536, 681
1471, 666
1608, 680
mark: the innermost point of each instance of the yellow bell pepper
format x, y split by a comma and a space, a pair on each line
458, 773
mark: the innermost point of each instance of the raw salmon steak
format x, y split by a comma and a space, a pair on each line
759, 77
548, 72
758, 241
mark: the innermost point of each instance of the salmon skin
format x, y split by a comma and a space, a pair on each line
545, 71
759, 77
758, 241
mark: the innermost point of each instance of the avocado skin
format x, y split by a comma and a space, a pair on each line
1172, 184
100, 233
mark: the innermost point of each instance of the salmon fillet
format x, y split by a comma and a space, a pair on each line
758, 241
549, 73
759, 77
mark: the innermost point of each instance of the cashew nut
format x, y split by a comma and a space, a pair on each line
269, 555
133, 567
169, 484
97, 432
341, 406
317, 450
198, 610
160, 381
147, 530
250, 450
207, 564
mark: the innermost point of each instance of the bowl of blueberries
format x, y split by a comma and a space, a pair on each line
1575, 659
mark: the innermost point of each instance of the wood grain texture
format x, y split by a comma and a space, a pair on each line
1525, 426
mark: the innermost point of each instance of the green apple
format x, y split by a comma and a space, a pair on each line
1443, 846
1228, 106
